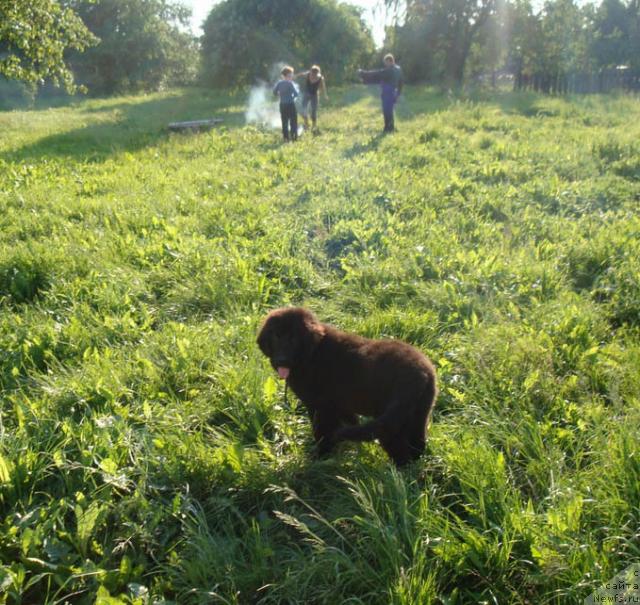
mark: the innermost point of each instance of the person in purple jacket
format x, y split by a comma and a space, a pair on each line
390, 80
287, 90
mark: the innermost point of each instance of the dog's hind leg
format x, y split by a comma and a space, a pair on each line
398, 449
386, 425
416, 431
349, 419
395, 443
359, 432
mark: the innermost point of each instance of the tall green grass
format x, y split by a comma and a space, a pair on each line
146, 452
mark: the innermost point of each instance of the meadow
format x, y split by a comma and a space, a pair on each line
147, 454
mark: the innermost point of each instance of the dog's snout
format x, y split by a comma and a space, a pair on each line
280, 360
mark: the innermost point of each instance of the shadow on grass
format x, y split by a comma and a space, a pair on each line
524, 103
430, 100
415, 101
365, 147
113, 126
131, 126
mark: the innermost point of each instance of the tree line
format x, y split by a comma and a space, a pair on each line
102, 47
106, 47
558, 47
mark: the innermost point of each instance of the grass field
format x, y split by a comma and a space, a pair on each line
146, 452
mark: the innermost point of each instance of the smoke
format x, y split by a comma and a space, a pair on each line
262, 107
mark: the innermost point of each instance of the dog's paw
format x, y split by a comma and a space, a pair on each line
324, 447
339, 435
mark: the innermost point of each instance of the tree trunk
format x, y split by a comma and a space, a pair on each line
457, 59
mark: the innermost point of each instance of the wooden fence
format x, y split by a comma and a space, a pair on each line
580, 82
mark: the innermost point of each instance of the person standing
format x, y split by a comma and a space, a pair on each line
313, 82
287, 90
391, 82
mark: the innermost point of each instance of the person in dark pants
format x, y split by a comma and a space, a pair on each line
313, 82
287, 90
390, 80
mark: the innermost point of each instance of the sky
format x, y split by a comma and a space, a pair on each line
373, 14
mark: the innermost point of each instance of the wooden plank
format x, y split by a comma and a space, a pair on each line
194, 125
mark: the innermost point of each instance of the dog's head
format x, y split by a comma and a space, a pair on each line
288, 338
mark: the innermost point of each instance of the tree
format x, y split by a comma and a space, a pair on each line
34, 36
565, 36
634, 35
524, 34
450, 26
416, 45
616, 40
552, 46
243, 39
489, 50
143, 45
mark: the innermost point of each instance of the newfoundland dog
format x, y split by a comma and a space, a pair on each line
340, 376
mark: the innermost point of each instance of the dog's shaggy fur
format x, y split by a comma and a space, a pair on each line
340, 376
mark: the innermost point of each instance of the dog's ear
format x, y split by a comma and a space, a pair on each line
313, 332
264, 341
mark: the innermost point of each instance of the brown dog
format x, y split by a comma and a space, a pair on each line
339, 376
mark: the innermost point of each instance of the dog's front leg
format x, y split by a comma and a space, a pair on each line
325, 424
